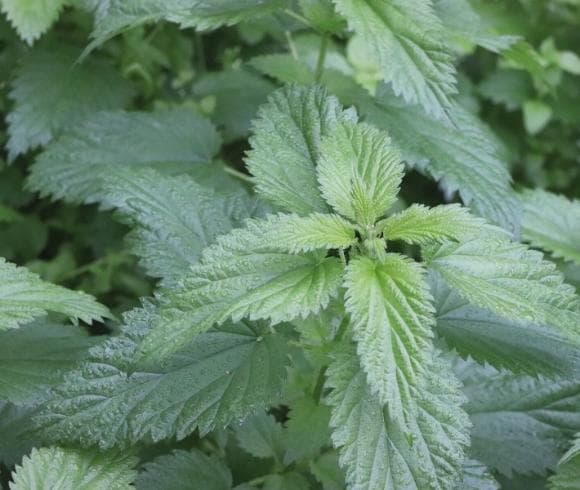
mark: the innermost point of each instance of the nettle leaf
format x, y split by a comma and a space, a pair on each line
55, 468
464, 157
113, 401
551, 222
246, 274
51, 94
307, 429
510, 280
409, 42
175, 217
391, 314
173, 141
24, 297
476, 476
359, 172
508, 87
489, 338
286, 146
567, 475
32, 18
185, 470
422, 225
379, 452
520, 423
119, 15
19, 435
38, 355
261, 436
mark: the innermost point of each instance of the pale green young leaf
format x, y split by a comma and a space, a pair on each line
422, 225
327, 471
520, 423
32, 18
261, 436
489, 338
552, 222
378, 452
56, 468
36, 356
172, 141
391, 313
408, 40
567, 475
307, 429
510, 280
111, 400
246, 274
184, 470
175, 217
286, 146
52, 94
360, 172
290, 480
24, 297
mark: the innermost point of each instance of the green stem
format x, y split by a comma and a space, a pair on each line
239, 175
321, 58
291, 45
299, 18
319, 386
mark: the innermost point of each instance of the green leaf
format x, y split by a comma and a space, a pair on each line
321, 14
489, 338
55, 468
32, 18
422, 225
379, 452
286, 146
246, 274
173, 141
184, 470
327, 471
409, 42
359, 172
307, 429
51, 94
551, 222
117, 15
537, 115
24, 297
567, 475
510, 280
290, 480
261, 436
476, 476
17, 428
391, 314
510, 88
36, 356
520, 423
111, 400
175, 217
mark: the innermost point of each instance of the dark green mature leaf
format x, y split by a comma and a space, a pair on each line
261, 436
476, 476
112, 401
307, 429
286, 146
52, 94
407, 39
73, 167
175, 217
36, 356
520, 423
55, 468
378, 452
32, 18
18, 432
184, 470
489, 338
24, 297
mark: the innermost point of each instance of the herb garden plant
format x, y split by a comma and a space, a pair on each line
286, 245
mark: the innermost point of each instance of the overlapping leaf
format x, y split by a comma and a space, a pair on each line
567, 475
32, 18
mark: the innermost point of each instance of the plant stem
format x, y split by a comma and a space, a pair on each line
299, 18
321, 58
319, 386
239, 175
291, 45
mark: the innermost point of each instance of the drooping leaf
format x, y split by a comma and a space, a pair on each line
36, 356
551, 222
408, 41
422, 225
567, 475
489, 338
172, 141
359, 172
391, 314
286, 146
511, 280
56, 468
184, 470
32, 18
112, 401
520, 423
24, 297
379, 452
52, 94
